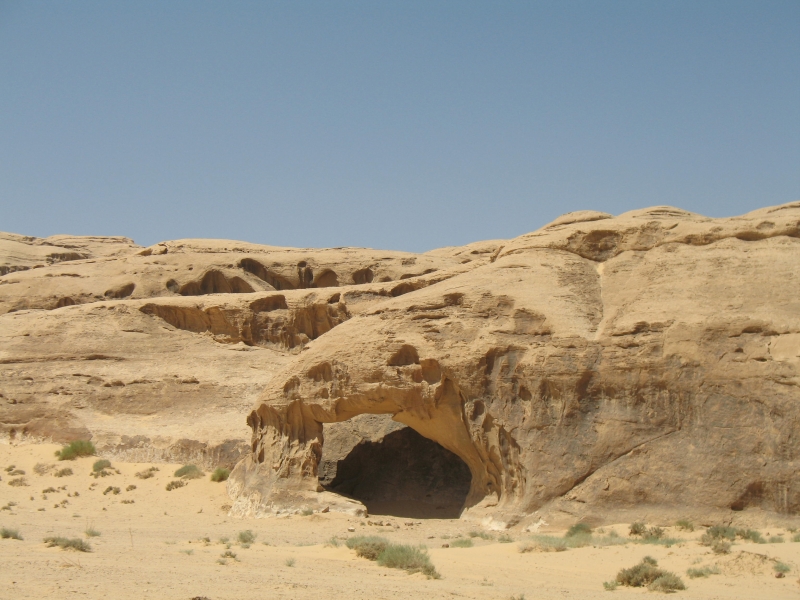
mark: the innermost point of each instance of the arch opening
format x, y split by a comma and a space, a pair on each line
392, 469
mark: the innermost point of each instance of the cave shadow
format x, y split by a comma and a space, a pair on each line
404, 475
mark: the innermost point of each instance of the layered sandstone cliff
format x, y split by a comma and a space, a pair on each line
598, 364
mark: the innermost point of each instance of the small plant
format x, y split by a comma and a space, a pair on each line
68, 544
147, 473
42, 468
229, 554
17, 472
188, 552
461, 543
50, 490
610, 586
408, 558
130, 488
481, 534
750, 534
289, 562
175, 484
10, 468
796, 537
655, 533
684, 525
638, 529
100, 465
504, 538
220, 474
10, 534
368, 547
720, 547
782, 568
18, 482
647, 573
75, 449
189, 472
578, 529
65, 472
776, 539
128, 501
333, 542
307, 512
111, 490
702, 572
246, 537
91, 532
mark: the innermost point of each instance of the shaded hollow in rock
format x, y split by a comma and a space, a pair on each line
404, 475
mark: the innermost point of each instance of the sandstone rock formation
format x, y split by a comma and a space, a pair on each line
597, 365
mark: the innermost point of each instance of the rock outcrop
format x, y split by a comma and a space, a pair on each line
598, 365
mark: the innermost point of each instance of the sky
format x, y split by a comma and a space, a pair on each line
399, 125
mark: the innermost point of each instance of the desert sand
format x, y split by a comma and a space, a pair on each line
155, 548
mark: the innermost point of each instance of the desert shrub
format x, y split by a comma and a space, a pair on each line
68, 544
637, 528
367, 546
10, 468
16, 472
668, 582
481, 534
578, 529
718, 532
246, 537
703, 572
750, 534
655, 533
220, 474
782, 568
111, 490
10, 534
42, 468
18, 482
229, 554
332, 542
645, 573
101, 464
128, 501
147, 473
130, 488
408, 558
91, 532
504, 538
720, 547
307, 512
796, 537
461, 543
610, 586
50, 490
66, 472
189, 472
684, 525
289, 562
175, 484
776, 539
75, 449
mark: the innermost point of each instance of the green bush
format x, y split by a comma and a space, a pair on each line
66, 472
189, 472
75, 449
367, 546
246, 537
408, 558
668, 582
175, 484
394, 556
10, 534
776, 539
720, 547
782, 568
684, 525
91, 532
481, 534
645, 573
750, 534
68, 544
578, 529
504, 538
703, 572
461, 543
220, 474
101, 464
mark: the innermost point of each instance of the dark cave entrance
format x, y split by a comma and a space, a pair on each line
402, 474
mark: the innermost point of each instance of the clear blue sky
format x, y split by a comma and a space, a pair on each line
403, 125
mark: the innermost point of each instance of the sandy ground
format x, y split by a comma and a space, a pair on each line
155, 548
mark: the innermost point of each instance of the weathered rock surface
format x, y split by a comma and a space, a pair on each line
597, 365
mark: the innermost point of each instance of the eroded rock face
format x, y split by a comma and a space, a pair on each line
598, 364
